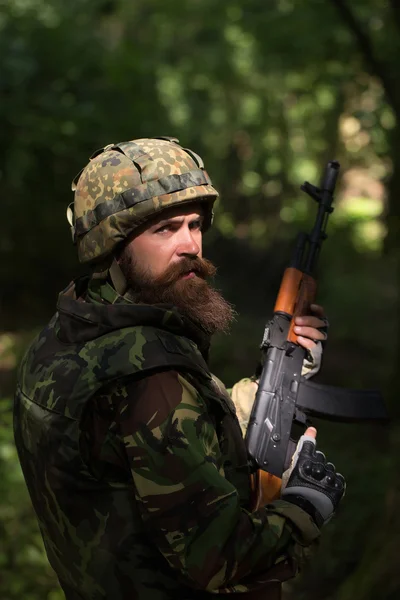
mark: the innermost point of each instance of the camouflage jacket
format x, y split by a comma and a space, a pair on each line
135, 462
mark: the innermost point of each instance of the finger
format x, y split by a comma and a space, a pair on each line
310, 332
340, 479
306, 343
306, 449
317, 309
320, 456
318, 471
311, 432
340, 483
306, 443
310, 321
330, 477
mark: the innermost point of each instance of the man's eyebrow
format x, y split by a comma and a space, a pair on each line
177, 219
169, 220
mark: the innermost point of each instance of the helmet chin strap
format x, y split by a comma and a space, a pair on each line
112, 269
118, 278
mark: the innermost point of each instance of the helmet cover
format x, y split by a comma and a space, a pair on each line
125, 184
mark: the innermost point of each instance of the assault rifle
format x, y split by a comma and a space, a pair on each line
285, 400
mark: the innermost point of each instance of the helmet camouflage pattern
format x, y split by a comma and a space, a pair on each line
125, 184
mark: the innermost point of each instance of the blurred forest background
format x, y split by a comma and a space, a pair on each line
266, 92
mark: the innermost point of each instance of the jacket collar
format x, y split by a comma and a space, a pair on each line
88, 309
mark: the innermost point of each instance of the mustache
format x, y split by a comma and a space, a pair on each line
202, 267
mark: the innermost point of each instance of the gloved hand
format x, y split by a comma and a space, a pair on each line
311, 482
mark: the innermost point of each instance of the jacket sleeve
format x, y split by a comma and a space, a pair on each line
243, 394
192, 512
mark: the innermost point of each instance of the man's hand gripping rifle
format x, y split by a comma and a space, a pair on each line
285, 400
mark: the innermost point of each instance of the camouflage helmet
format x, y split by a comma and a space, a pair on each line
125, 184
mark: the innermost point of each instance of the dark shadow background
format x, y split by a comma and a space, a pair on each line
266, 93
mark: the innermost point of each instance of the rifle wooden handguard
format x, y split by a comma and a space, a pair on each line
265, 488
297, 292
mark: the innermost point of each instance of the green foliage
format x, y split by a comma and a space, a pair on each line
24, 567
266, 93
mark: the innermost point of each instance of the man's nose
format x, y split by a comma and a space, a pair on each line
187, 244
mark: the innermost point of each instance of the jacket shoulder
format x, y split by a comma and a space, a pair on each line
62, 376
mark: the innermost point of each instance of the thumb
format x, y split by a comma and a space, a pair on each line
308, 438
311, 432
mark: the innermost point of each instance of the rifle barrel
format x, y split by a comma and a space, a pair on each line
324, 197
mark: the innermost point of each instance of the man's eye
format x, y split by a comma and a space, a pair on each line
196, 224
163, 229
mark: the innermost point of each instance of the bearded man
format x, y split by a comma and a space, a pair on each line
131, 449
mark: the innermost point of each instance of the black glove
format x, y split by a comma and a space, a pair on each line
312, 483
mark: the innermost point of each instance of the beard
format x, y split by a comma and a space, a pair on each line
192, 296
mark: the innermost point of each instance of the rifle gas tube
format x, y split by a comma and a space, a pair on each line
285, 400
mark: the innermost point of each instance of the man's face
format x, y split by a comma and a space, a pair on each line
163, 264
173, 235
